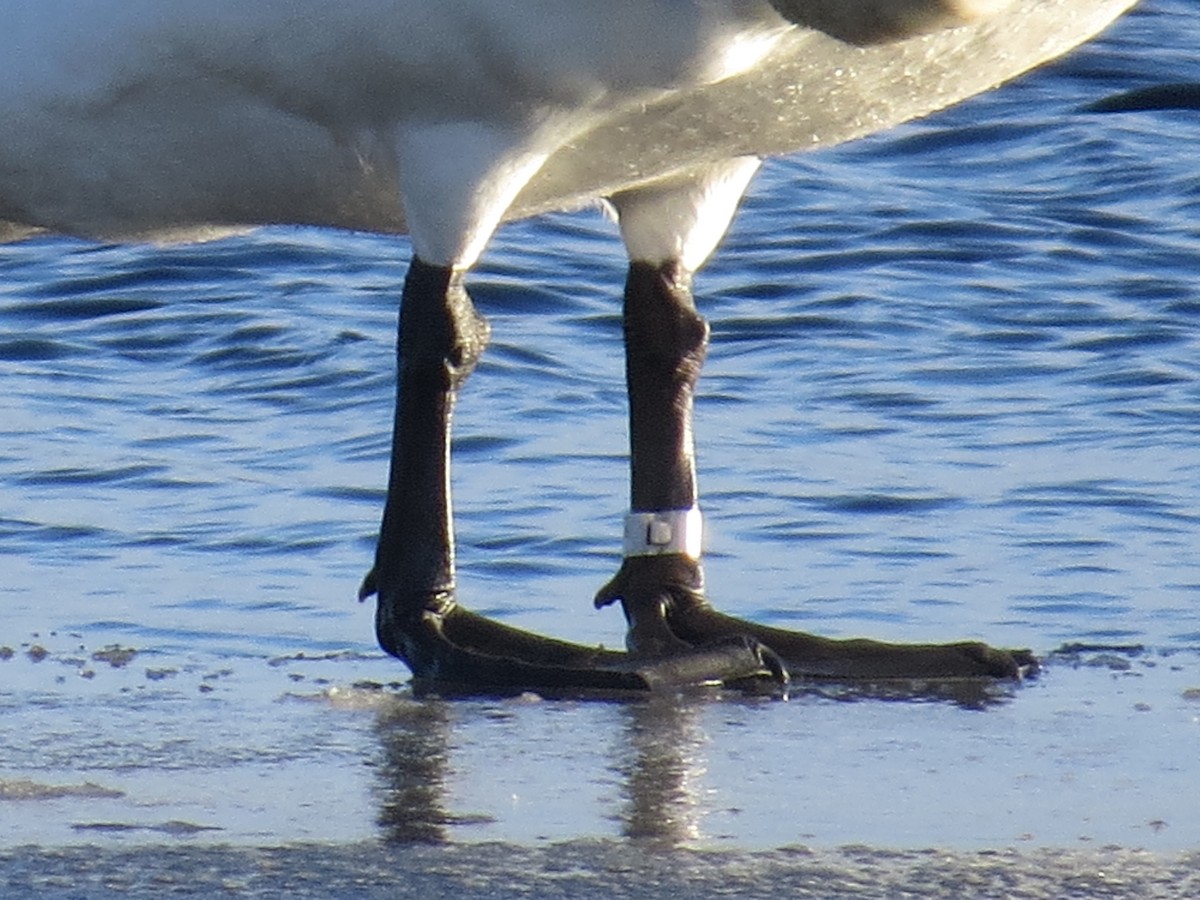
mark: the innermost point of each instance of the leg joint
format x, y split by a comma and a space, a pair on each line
440, 330
664, 333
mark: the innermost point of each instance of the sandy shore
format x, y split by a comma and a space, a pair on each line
590, 869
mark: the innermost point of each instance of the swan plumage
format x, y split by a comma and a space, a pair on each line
139, 118
135, 118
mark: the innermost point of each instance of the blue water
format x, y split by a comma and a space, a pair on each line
954, 391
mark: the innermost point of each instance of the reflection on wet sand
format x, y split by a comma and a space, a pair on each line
660, 755
657, 750
965, 693
415, 738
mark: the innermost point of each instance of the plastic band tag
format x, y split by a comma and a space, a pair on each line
664, 531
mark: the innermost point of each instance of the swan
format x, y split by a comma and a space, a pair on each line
140, 120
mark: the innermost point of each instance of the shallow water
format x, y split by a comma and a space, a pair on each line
954, 391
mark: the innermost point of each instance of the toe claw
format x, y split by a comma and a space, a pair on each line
368, 588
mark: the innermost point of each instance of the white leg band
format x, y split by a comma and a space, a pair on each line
664, 531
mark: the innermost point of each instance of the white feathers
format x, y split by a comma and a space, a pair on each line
683, 219
457, 179
127, 117
142, 118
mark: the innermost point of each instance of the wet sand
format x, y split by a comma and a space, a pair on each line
397, 791
104, 747
591, 869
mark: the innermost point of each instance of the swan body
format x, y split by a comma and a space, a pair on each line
138, 119
143, 119
134, 117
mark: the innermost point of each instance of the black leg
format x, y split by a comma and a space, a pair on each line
440, 339
665, 343
418, 619
666, 340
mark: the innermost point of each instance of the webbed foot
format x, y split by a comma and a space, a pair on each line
664, 604
446, 645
